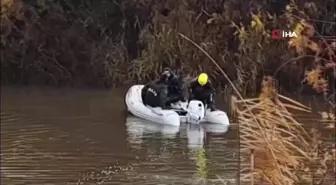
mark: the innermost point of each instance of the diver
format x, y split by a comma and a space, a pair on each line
202, 89
174, 86
167, 76
155, 95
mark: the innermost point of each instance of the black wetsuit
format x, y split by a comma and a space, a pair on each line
204, 93
155, 95
163, 92
174, 87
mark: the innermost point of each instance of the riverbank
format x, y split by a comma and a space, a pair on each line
109, 43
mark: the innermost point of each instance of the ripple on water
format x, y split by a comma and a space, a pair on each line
75, 140
38, 153
171, 160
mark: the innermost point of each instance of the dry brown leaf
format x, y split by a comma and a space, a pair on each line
331, 126
314, 46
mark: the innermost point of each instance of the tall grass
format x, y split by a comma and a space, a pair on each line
274, 146
273, 138
275, 149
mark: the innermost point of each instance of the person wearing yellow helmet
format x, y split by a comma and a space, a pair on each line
202, 89
202, 79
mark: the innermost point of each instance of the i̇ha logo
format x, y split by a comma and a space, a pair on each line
278, 34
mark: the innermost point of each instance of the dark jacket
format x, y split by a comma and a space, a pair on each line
174, 86
200, 92
155, 95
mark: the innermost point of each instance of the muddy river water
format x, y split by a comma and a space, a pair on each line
61, 137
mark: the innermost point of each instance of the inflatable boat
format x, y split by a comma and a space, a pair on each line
193, 111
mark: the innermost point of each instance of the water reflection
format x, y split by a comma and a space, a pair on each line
195, 135
81, 137
186, 162
138, 127
215, 128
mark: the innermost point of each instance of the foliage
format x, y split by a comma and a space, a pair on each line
275, 137
108, 42
281, 151
55, 43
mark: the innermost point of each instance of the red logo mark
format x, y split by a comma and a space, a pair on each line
276, 34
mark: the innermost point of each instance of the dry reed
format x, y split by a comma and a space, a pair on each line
273, 144
271, 135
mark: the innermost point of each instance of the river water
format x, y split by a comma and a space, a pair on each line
60, 137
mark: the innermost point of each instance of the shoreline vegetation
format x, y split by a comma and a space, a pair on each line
106, 43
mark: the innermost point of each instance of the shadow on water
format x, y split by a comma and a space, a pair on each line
54, 136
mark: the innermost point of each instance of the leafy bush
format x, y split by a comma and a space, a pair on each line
112, 42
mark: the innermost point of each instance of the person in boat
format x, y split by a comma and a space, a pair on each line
202, 89
174, 86
155, 95
163, 92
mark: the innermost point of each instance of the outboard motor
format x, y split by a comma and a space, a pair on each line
196, 111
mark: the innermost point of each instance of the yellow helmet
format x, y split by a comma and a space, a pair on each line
202, 79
